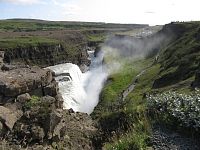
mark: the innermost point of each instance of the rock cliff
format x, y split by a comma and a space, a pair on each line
32, 115
46, 54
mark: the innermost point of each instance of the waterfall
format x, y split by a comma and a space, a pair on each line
80, 91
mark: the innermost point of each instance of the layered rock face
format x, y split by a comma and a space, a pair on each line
46, 55
32, 115
23, 80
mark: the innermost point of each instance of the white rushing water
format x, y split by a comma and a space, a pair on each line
80, 91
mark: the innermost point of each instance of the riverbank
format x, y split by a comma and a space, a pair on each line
130, 124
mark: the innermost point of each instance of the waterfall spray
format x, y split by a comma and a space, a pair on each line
80, 91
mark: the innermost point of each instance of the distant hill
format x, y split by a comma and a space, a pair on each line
35, 24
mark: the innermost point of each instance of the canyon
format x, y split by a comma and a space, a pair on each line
86, 86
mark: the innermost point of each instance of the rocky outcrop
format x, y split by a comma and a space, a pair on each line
32, 115
9, 117
23, 98
25, 80
43, 122
45, 55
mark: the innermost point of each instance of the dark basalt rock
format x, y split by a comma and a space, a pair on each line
51, 89
196, 82
44, 123
45, 55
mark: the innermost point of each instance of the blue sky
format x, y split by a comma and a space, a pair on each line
116, 11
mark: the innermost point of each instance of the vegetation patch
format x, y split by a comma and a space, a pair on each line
35, 100
124, 123
175, 108
15, 42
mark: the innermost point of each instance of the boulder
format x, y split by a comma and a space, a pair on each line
24, 98
59, 101
23, 80
51, 89
48, 101
15, 107
54, 122
9, 117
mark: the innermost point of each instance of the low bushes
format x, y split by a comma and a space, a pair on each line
175, 108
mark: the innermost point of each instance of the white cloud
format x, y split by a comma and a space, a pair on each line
117, 11
23, 2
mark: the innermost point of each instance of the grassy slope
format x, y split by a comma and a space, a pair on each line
180, 59
181, 55
127, 117
25, 41
19, 32
137, 135
33, 25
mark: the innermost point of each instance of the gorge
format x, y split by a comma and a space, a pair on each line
99, 86
80, 91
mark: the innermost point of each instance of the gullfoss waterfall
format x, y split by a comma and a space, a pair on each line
80, 91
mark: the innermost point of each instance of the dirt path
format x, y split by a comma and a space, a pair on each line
132, 85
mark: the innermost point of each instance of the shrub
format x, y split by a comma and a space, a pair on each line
33, 102
181, 108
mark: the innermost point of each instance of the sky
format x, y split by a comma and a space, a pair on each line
153, 12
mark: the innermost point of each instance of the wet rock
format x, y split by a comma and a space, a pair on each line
24, 98
9, 117
71, 111
51, 89
84, 68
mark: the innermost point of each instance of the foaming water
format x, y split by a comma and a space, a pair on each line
80, 91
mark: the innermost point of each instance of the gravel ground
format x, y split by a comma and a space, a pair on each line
165, 139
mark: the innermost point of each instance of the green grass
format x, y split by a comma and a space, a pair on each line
99, 37
25, 41
18, 25
140, 128
144, 85
121, 80
132, 128
181, 58
35, 100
